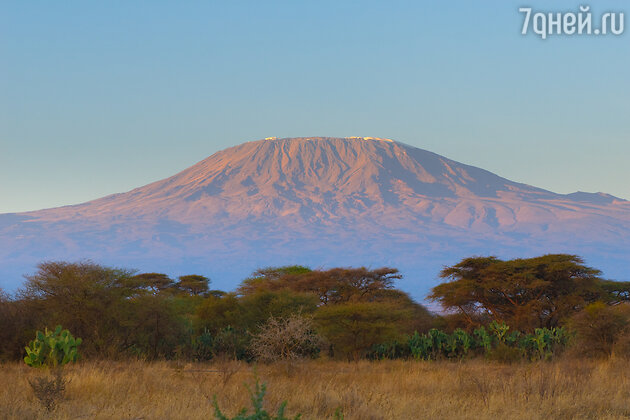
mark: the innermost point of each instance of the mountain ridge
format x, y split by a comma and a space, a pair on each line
267, 198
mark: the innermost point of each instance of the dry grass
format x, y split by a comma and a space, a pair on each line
365, 390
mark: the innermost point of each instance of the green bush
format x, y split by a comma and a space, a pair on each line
390, 350
231, 343
203, 347
52, 348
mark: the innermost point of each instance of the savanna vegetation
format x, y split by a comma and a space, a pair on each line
510, 334
317, 389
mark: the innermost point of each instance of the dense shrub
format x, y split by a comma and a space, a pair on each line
527, 293
354, 328
496, 343
359, 313
601, 329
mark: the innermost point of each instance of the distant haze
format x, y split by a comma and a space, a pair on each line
321, 202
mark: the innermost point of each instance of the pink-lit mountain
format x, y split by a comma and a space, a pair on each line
320, 202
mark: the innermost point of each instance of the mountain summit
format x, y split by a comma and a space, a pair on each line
320, 201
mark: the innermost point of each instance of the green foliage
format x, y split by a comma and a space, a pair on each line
271, 278
257, 308
390, 350
513, 338
227, 343
232, 343
356, 310
248, 312
544, 343
463, 342
203, 347
257, 396
483, 339
90, 300
616, 291
541, 340
158, 324
526, 293
52, 349
338, 414
151, 282
497, 345
438, 339
420, 345
337, 285
499, 330
437, 344
354, 328
215, 313
193, 284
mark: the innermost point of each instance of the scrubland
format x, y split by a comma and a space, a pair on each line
541, 338
394, 389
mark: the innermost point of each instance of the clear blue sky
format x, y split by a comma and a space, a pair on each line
100, 97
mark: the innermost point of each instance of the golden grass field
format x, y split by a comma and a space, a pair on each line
476, 389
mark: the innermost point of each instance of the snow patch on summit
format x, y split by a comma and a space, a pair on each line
371, 138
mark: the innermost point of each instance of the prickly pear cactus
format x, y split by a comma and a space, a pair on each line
52, 348
464, 341
483, 339
499, 330
420, 346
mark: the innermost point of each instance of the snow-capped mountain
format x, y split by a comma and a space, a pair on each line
322, 202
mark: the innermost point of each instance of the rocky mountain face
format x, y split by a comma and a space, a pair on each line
321, 202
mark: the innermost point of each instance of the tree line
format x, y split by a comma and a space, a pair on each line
528, 308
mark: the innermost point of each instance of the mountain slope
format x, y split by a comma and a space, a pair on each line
320, 201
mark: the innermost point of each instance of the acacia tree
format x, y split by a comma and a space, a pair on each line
87, 298
336, 285
525, 293
616, 291
268, 278
151, 282
113, 310
193, 284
